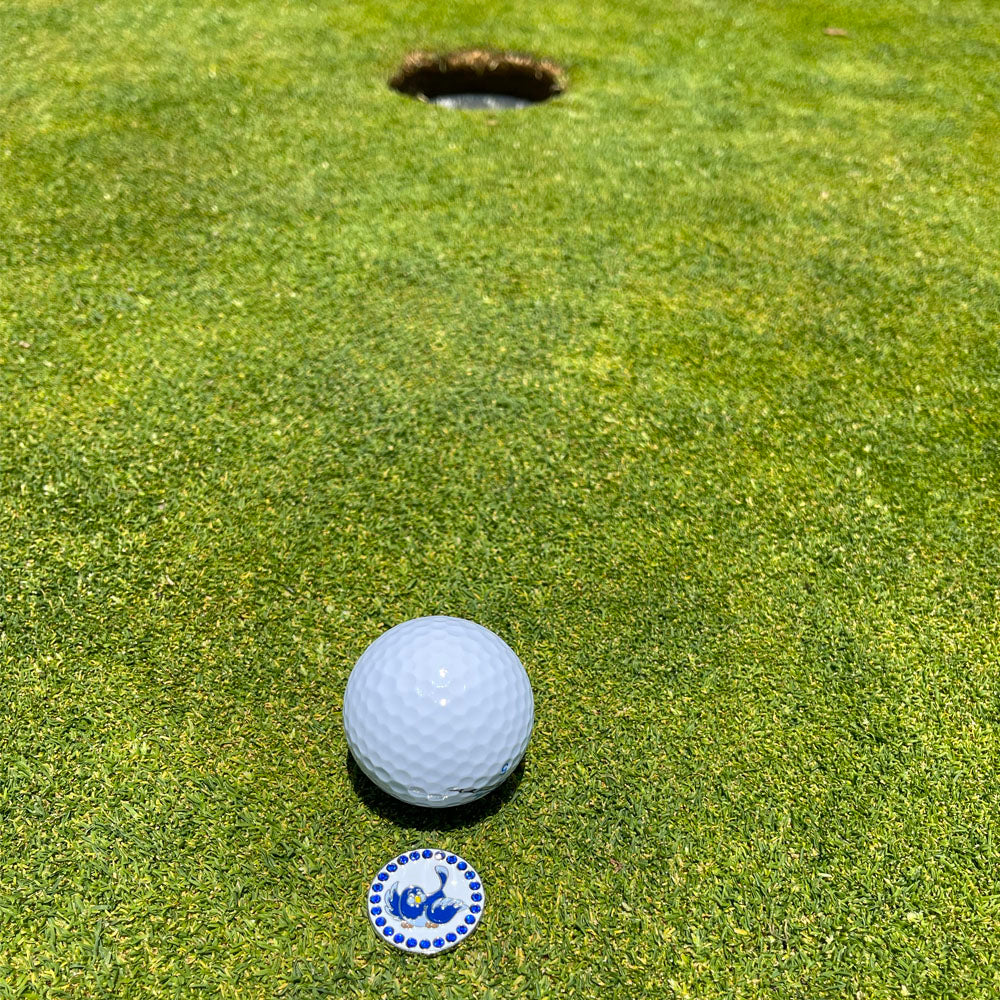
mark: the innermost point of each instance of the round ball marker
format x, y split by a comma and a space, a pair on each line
425, 901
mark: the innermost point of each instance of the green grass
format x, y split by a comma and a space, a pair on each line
685, 384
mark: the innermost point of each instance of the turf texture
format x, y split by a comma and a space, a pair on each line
685, 383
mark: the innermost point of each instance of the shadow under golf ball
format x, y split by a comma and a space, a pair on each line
417, 818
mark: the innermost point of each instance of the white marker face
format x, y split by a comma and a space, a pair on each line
425, 901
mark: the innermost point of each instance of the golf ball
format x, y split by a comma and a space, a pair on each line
438, 711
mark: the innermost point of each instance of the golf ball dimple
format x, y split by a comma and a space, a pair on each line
438, 711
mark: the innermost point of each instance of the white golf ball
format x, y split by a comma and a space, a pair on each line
438, 711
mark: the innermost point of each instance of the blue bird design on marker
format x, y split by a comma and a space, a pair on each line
415, 907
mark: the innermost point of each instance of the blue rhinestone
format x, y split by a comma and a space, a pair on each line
402, 859
382, 876
476, 896
388, 931
462, 865
376, 910
475, 885
398, 939
451, 937
461, 930
428, 854
390, 867
470, 920
475, 908
451, 859
376, 887
380, 922
375, 899
438, 942
411, 942
469, 875
414, 855
425, 943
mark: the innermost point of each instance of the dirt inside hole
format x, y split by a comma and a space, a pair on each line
429, 76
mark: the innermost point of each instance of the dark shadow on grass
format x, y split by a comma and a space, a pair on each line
431, 820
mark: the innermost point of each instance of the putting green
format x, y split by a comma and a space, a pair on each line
685, 383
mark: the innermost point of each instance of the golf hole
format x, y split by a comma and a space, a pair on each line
478, 79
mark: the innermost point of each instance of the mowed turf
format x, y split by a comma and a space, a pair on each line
686, 384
